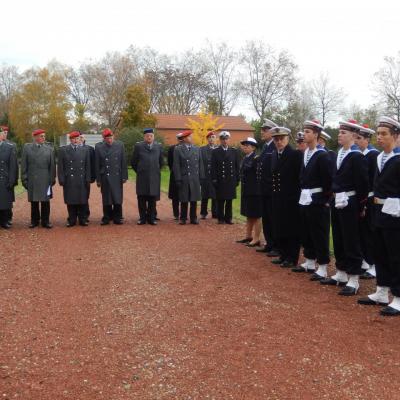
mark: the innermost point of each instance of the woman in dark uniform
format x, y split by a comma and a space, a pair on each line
250, 194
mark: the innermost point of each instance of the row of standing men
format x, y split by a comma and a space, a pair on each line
356, 193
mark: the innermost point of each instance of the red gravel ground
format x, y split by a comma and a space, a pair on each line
172, 312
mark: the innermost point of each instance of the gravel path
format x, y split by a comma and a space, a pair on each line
172, 312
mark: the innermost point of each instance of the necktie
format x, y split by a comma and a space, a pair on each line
383, 160
279, 155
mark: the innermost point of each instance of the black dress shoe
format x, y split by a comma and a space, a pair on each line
390, 312
33, 225
5, 226
9, 222
104, 222
366, 301
331, 282
182, 222
287, 264
367, 275
278, 261
348, 291
316, 277
299, 268
118, 222
47, 225
69, 224
141, 222
152, 223
229, 222
245, 240
273, 253
176, 218
256, 244
194, 222
83, 223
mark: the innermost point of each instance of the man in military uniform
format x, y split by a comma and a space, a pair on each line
207, 187
10, 211
362, 140
147, 161
8, 179
225, 174
264, 178
111, 174
350, 185
173, 192
285, 167
90, 149
387, 220
188, 172
316, 192
74, 175
38, 176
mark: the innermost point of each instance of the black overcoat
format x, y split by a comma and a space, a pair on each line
111, 171
147, 162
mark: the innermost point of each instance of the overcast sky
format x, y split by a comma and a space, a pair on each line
347, 38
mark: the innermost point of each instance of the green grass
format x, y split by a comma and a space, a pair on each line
165, 183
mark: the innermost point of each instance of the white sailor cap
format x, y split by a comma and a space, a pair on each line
389, 123
299, 137
268, 124
280, 131
313, 124
249, 140
351, 125
366, 131
325, 135
224, 134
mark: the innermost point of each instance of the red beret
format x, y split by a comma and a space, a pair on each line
186, 133
74, 134
5, 128
107, 132
38, 132
210, 134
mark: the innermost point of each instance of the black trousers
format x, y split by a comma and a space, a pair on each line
175, 208
204, 207
266, 218
112, 212
289, 248
43, 214
387, 258
9, 214
4, 216
184, 210
147, 208
367, 234
224, 210
315, 232
77, 211
346, 238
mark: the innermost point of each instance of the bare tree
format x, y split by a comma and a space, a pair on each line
79, 84
176, 85
9, 82
327, 98
109, 77
387, 85
221, 62
269, 76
